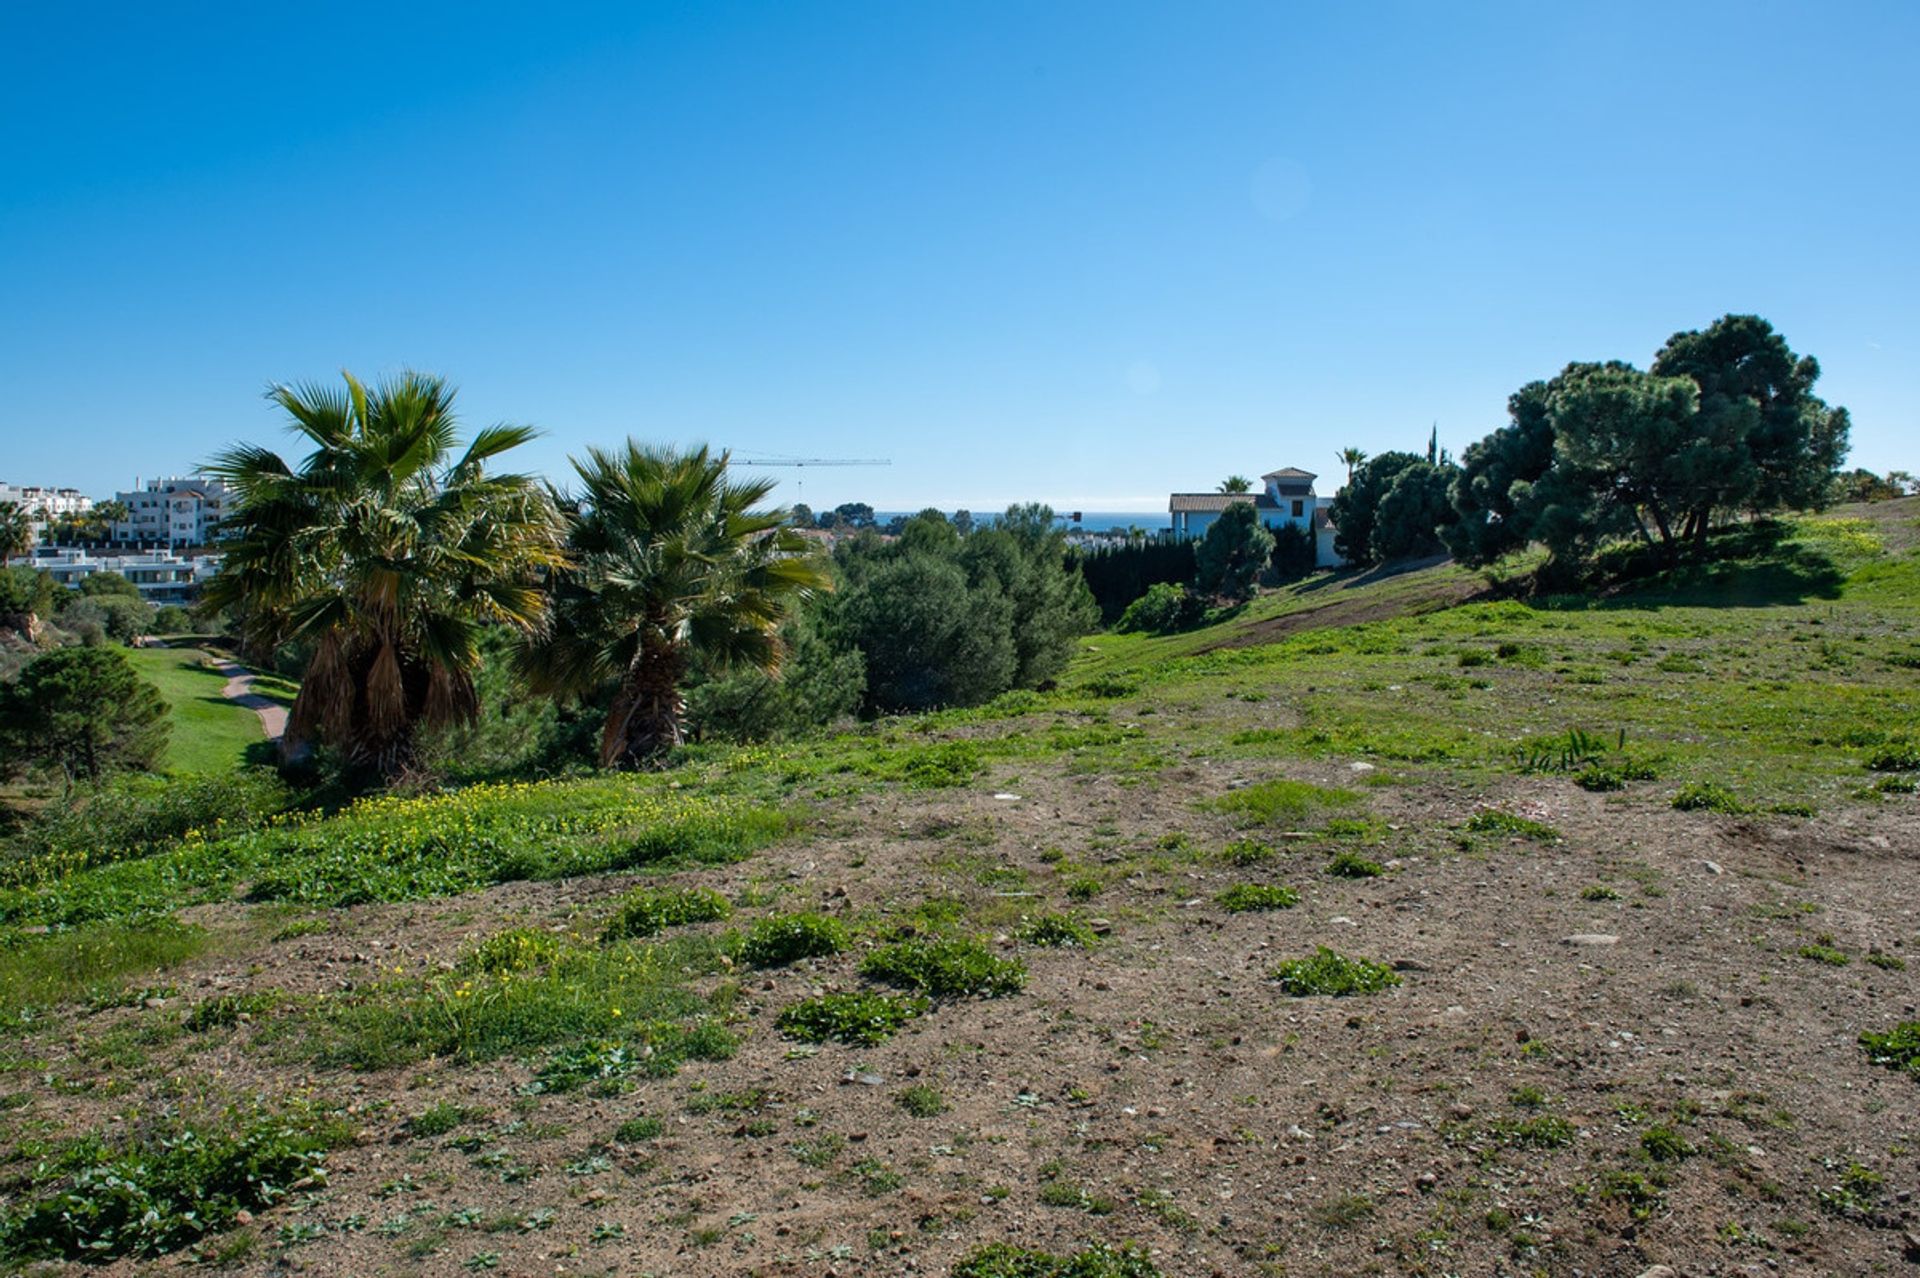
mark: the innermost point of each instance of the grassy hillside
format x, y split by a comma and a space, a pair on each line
210, 733
1368, 931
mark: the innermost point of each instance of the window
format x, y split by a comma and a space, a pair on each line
1299, 508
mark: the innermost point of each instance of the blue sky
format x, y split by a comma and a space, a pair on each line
1080, 253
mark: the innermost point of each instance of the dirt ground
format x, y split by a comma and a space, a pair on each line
1197, 1108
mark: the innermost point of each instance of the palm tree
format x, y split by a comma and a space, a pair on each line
1351, 457
388, 554
16, 531
673, 566
1236, 484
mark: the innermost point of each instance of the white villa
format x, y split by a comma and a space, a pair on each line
1287, 498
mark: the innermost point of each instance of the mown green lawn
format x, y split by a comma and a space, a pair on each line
210, 733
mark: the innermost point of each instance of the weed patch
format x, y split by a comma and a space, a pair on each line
1707, 796
1897, 1048
1330, 973
1347, 864
646, 912
1280, 801
1057, 930
163, 1187
1004, 1260
781, 939
1499, 821
858, 1019
1245, 897
945, 969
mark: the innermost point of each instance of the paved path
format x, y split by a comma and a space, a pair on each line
239, 690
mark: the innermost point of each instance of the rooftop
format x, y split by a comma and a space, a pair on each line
1203, 502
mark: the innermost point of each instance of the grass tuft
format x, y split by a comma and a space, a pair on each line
1329, 973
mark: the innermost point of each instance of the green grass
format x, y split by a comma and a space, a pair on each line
93, 963
636, 996
400, 848
210, 733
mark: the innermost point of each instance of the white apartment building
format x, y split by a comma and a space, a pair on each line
178, 511
46, 504
160, 575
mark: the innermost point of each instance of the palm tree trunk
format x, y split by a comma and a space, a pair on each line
645, 720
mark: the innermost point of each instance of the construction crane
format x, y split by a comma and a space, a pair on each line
801, 463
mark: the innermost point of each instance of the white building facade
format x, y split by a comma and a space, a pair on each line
179, 511
161, 576
1286, 498
46, 505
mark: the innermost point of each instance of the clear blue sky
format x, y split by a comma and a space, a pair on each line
1081, 253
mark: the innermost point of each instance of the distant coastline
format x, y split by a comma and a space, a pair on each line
1090, 520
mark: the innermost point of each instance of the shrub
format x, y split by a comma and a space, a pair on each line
1244, 897
1004, 1260
1325, 972
945, 969
1235, 549
1707, 796
1824, 952
780, 939
1165, 609
162, 1187
1351, 865
82, 713
645, 912
1897, 1048
859, 1019
1056, 930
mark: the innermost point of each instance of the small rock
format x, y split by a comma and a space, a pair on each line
1100, 928
1460, 1111
153, 1002
1593, 938
243, 1217
1006, 796
1660, 1271
1910, 1244
1713, 867
1425, 1182
1359, 765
